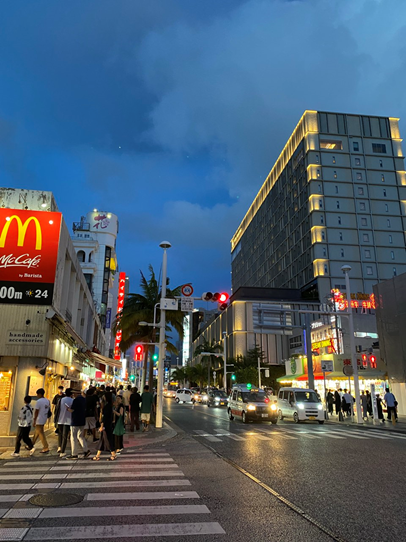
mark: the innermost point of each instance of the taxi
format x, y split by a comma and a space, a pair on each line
251, 404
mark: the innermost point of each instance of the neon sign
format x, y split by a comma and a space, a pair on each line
120, 305
364, 301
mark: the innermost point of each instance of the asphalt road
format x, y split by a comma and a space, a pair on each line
349, 480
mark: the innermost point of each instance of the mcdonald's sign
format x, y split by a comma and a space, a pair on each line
29, 242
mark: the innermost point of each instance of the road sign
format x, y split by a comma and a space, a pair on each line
170, 304
327, 365
186, 305
187, 290
348, 370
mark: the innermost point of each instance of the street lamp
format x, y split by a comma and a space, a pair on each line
346, 269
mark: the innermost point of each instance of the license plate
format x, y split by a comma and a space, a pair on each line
264, 415
312, 417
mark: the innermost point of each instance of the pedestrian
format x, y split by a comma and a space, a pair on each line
369, 403
364, 404
106, 429
92, 403
64, 421
56, 402
147, 400
391, 404
379, 408
135, 400
77, 428
349, 402
41, 414
330, 401
119, 428
120, 390
337, 400
126, 403
24, 427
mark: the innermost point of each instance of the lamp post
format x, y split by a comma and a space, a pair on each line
159, 400
346, 269
225, 360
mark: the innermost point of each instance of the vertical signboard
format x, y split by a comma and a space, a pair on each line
29, 242
120, 305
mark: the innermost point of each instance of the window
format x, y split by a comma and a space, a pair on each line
323, 236
365, 237
355, 146
336, 187
320, 204
364, 222
362, 206
359, 176
321, 219
388, 222
392, 255
384, 192
319, 188
341, 235
317, 159
358, 161
386, 208
81, 256
335, 174
331, 144
325, 269
369, 270
380, 163
342, 253
391, 239
338, 204
339, 220
318, 174
324, 252
379, 147
367, 253
383, 178
394, 272
360, 191
334, 159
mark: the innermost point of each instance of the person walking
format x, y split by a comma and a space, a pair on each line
126, 403
349, 402
77, 428
147, 400
56, 403
330, 401
24, 427
364, 404
369, 404
337, 401
92, 403
135, 400
106, 430
119, 428
379, 408
41, 414
391, 404
64, 421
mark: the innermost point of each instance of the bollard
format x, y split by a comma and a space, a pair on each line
340, 416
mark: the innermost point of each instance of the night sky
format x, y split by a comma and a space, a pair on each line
170, 113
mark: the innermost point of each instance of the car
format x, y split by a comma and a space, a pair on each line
251, 404
300, 404
217, 398
184, 395
169, 392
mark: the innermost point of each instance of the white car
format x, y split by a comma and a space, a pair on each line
300, 404
184, 396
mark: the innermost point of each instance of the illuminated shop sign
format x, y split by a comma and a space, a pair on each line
358, 300
120, 305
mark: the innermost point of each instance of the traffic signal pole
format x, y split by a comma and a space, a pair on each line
162, 325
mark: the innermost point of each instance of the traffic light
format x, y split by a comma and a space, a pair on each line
364, 360
233, 377
220, 297
155, 357
132, 378
372, 361
139, 353
249, 386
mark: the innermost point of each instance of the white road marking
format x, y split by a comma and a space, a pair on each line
123, 483
12, 533
10, 498
32, 463
15, 486
142, 496
98, 511
4, 511
126, 475
325, 434
23, 513
123, 531
21, 476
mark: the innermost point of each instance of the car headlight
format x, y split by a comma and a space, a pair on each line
196, 397
204, 397
320, 407
251, 407
273, 407
300, 405
217, 399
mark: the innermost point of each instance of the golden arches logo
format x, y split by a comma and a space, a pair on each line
22, 230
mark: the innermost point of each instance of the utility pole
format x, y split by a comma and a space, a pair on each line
225, 360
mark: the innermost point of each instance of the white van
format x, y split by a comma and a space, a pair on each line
300, 404
184, 396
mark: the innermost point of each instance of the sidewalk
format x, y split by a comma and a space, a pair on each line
131, 440
399, 427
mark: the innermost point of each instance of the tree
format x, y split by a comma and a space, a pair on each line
246, 367
180, 375
140, 308
209, 360
198, 373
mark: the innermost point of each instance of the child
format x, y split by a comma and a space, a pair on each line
24, 427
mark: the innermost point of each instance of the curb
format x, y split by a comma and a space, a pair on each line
366, 427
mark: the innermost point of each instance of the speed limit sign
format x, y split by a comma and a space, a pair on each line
187, 290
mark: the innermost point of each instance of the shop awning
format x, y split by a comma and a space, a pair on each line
289, 378
106, 361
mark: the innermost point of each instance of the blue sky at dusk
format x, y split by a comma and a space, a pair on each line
170, 113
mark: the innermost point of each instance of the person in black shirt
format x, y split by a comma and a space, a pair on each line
92, 402
77, 430
106, 429
56, 402
135, 400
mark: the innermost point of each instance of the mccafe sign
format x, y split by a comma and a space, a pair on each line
29, 243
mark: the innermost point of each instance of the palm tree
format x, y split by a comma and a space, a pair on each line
198, 373
179, 374
210, 360
140, 308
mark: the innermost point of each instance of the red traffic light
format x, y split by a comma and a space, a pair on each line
364, 360
223, 297
372, 361
139, 352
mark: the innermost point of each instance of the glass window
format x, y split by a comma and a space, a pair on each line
334, 159
355, 146
367, 253
338, 204
364, 222
319, 188
369, 270
341, 235
360, 191
394, 272
380, 163
383, 178
335, 174
342, 253
379, 147
307, 397
359, 176
324, 252
358, 161
392, 255
339, 219
365, 237
331, 144
325, 269
323, 236
362, 206
386, 208
5, 386
320, 204
384, 192
390, 239
318, 174
388, 222
336, 187
317, 159
321, 219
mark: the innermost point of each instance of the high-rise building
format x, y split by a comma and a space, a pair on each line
94, 239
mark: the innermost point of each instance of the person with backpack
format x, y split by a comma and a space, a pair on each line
42, 413
391, 404
24, 427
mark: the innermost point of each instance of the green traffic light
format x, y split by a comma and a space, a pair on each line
249, 386
233, 377
155, 357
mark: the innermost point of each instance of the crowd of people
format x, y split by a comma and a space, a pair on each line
343, 403
101, 413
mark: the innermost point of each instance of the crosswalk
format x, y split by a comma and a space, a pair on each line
143, 494
295, 433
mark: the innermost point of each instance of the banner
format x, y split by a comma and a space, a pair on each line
29, 242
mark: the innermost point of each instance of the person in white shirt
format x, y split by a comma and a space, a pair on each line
24, 427
64, 422
349, 401
42, 408
391, 404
